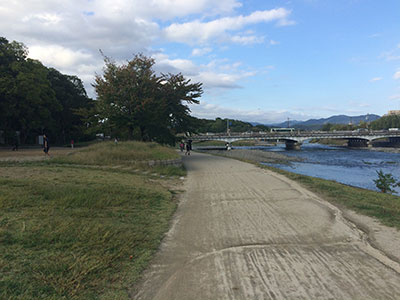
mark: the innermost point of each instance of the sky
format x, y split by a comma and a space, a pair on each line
259, 60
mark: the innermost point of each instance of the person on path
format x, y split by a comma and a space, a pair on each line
46, 146
16, 143
182, 146
187, 149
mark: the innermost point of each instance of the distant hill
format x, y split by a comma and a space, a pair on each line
316, 124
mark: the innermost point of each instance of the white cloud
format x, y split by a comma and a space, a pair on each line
201, 51
397, 75
47, 19
67, 35
391, 55
394, 97
356, 104
247, 39
166, 65
273, 43
220, 80
168, 9
211, 111
58, 56
218, 74
201, 32
376, 79
375, 35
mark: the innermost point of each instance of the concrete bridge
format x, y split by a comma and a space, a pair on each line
293, 140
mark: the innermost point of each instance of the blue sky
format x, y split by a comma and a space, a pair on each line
260, 61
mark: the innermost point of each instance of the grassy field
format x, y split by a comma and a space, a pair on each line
85, 224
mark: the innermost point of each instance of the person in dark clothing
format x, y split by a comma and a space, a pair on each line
46, 146
16, 143
190, 144
188, 148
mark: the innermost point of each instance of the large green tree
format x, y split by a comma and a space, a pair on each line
386, 122
27, 99
35, 99
71, 94
136, 102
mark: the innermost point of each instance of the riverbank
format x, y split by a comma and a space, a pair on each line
242, 232
372, 211
385, 149
255, 156
384, 207
343, 143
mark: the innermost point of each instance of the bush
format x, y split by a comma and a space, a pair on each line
385, 182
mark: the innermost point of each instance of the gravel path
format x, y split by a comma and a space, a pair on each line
242, 232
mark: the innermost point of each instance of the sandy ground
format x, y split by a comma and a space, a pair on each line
242, 232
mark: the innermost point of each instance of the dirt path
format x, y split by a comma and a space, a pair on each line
245, 233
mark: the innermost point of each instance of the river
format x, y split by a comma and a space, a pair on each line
349, 166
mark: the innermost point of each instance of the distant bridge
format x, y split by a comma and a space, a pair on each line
293, 140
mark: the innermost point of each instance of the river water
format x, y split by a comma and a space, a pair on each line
349, 166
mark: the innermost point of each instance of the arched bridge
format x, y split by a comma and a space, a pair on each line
294, 140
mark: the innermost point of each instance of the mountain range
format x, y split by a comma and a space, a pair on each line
315, 124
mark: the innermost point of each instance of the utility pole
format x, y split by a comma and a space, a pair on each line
227, 127
288, 122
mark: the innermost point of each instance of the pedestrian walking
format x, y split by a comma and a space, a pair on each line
16, 143
187, 149
46, 145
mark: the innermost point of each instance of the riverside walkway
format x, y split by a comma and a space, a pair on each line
242, 232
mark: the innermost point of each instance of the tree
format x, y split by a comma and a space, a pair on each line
11, 55
71, 94
385, 182
27, 99
386, 122
327, 127
134, 101
35, 99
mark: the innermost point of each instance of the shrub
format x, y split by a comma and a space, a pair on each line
385, 182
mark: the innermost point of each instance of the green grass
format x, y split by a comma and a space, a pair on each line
123, 153
209, 143
384, 207
71, 230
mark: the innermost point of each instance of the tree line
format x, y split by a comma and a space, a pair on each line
383, 123
35, 99
221, 125
133, 102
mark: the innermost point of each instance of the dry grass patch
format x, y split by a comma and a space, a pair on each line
71, 231
126, 153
